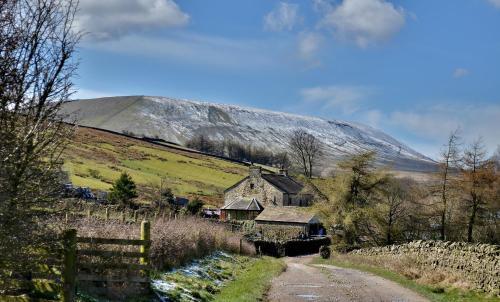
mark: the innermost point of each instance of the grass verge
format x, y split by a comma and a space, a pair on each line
432, 293
252, 283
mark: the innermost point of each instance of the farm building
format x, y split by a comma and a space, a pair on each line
241, 209
279, 190
289, 217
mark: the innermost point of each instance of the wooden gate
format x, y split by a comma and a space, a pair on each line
91, 265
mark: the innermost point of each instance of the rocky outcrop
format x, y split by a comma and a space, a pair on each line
479, 263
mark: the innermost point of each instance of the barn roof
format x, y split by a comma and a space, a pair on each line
287, 214
283, 183
244, 204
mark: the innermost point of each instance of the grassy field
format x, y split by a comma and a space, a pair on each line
95, 159
252, 283
432, 292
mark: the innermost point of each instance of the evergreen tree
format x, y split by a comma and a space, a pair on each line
351, 197
123, 190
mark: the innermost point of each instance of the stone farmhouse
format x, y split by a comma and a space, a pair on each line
248, 198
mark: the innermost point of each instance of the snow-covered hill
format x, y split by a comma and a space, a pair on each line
178, 120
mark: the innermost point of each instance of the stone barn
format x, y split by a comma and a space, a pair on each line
290, 218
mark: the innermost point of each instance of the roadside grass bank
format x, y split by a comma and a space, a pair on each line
434, 285
253, 281
218, 277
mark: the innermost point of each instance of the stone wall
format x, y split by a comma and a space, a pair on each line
479, 263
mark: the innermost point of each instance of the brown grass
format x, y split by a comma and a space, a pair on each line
174, 242
408, 267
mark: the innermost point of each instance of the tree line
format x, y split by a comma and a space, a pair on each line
238, 151
368, 205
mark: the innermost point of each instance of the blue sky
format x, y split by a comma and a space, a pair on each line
415, 69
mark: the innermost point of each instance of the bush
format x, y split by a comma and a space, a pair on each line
345, 248
194, 206
94, 173
324, 251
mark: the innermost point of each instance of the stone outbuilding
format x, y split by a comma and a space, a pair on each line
241, 209
289, 217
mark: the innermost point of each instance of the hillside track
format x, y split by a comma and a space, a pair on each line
303, 281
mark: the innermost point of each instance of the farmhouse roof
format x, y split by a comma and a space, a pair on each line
244, 204
284, 183
287, 214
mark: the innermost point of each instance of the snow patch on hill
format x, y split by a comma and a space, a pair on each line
178, 120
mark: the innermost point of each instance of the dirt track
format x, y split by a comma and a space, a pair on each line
304, 282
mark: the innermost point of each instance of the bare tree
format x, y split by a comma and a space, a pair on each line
394, 195
282, 160
478, 178
37, 44
305, 150
449, 159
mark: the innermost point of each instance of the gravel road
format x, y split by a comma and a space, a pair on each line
305, 282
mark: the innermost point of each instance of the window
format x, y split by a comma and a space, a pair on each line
252, 186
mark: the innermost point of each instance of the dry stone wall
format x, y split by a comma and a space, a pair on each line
480, 263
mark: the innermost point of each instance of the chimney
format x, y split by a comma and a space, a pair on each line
283, 172
255, 171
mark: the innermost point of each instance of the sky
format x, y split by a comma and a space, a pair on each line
414, 69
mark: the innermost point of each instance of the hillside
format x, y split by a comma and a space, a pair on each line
179, 120
96, 158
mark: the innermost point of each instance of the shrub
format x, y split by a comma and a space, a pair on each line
94, 173
344, 248
194, 206
166, 199
324, 251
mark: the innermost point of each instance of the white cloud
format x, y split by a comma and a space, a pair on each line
111, 19
460, 72
284, 17
372, 118
309, 44
197, 50
364, 22
437, 122
496, 3
345, 98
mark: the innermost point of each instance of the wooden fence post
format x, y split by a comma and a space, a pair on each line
123, 216
89, 213
106, 216
241, 244
145, 235
69, 266
135, 216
